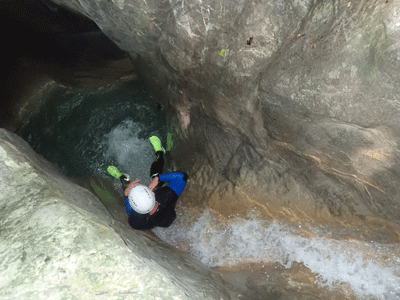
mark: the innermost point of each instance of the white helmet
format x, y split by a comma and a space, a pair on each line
141, 199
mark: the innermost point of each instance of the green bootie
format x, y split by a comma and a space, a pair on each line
114, 172
124, 178
155, 141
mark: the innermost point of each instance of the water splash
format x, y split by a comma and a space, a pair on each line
130, 153
74, 128
334, 261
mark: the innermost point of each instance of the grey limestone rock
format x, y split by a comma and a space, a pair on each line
59, 242
292, 103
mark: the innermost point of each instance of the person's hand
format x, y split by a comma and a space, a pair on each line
154, 183
130, 186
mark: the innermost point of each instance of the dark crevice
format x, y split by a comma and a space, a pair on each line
43, 42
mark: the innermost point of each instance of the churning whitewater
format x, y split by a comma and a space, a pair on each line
254, 240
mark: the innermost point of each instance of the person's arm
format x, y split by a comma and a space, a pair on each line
171, 176
128, 207
130, 186
154, 183
176, 181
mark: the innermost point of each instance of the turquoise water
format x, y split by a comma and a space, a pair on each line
83, 131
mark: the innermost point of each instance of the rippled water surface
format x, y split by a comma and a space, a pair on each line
83, 131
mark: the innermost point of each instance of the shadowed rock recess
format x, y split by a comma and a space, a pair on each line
288, 106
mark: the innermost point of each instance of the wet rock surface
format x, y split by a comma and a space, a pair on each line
291, 104
58, 241
284, 108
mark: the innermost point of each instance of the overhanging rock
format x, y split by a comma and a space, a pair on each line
292, 105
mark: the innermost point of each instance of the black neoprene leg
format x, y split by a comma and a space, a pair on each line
158, 165
125, 181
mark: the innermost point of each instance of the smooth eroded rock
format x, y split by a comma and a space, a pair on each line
59, 242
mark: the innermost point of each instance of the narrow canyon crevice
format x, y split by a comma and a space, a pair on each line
292, 104
283, 110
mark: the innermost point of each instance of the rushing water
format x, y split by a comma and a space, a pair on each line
83, 131
358, 264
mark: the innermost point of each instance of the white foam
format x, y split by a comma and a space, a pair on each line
333, 261
133, 155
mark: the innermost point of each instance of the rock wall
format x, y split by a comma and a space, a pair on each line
49, 44
290, 107
59, 242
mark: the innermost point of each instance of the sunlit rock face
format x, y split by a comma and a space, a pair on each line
59, 242
290, 107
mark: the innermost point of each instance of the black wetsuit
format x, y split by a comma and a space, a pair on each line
167, 193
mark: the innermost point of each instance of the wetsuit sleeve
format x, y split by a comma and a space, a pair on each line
128, 207
176, 181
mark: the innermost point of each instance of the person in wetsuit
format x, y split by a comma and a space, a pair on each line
153, 206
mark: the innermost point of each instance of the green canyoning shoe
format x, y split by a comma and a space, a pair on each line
114, 172
155, 141
124, 178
